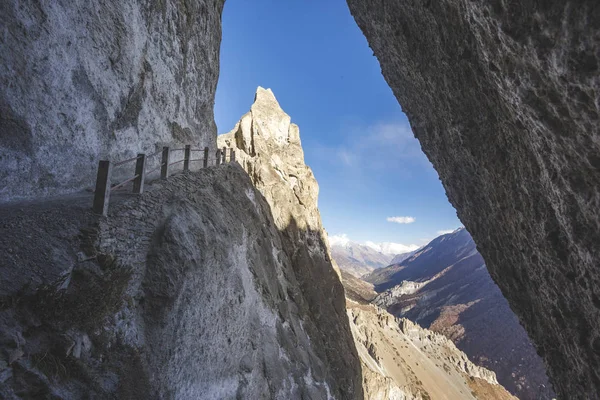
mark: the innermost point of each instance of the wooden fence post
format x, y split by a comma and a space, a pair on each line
205, 157
231, 155
224, 153
140, 171
102, 193
186, 157
164, 166
218, 154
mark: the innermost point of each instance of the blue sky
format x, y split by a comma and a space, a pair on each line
355, 137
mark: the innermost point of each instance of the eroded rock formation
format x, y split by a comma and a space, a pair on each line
504, 98
268, 147
108, 79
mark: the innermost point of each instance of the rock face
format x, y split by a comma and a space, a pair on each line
504, 98
268, 147
446, 288
400, 360
188, 291
95, 80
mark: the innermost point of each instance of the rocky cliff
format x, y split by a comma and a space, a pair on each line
187, 291
504, 98
108, 79
268, 147
403, 361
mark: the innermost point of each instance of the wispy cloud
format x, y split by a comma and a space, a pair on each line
346, 157
401, 220
383, 146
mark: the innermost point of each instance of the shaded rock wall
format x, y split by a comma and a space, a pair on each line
91, 80
504, 98
189, 291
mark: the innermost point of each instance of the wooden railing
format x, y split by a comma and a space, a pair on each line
104, 184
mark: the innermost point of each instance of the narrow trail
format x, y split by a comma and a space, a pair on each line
33, 234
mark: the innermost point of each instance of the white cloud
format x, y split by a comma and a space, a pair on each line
401, 220
346, 157
339, 240
391, 248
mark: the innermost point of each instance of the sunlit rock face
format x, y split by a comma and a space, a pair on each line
268, 146
93, 80
505, 102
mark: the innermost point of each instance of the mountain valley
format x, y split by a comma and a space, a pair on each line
445, 287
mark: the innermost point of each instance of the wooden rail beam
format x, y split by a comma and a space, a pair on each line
164, 169
186, 157
218, 157
140, 172
102, 193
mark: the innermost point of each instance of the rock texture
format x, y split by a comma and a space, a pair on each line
504, 98
187, 291
105, 79
401, 360
445, 287
268, 147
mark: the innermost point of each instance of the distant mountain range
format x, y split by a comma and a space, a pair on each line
445, 287
359, 259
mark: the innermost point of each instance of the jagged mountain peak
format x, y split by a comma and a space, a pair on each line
265, 96
266, 128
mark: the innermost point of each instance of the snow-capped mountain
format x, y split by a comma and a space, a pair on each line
355, 258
